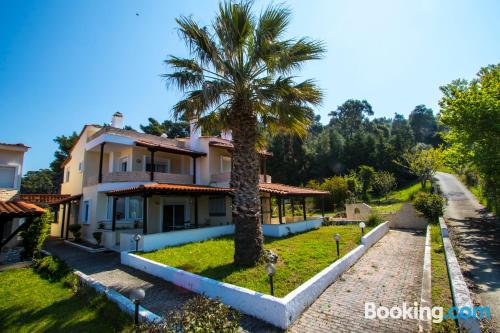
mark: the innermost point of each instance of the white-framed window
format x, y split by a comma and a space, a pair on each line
225, 164
129, 208
161, 164
66, 175
217, 206
80, 167
7, 177
124, 164
86, 212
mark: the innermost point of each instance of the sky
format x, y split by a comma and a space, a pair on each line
67, 63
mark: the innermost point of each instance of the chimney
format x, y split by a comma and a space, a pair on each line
117, 120
194, 134
226, 134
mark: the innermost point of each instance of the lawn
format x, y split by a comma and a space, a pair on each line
396, 199
441, 292
301, 256
32, 304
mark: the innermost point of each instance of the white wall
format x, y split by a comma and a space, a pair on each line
281, 230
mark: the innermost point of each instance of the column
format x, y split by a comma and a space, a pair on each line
67, 219
152, 171
101, 157
62, 220
280, 213
304, 208
113, 214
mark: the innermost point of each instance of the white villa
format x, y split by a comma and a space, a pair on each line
122, 183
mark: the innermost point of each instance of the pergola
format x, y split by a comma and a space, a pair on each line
281, 192
148, 190
10, 210
67, 202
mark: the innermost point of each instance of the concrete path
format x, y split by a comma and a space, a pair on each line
476, 238
161, 296
389, 274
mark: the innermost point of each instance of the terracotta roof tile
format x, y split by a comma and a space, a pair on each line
18, 208
170, 188
43, 198
67, 199
229, 145
287, 190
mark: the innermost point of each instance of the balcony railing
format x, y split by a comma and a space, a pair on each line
140, 176
225, 177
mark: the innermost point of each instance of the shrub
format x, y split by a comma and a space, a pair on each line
431, 205
51, 268
383, 183
34, 237
98, 237
374, 220
199, 314
76, 231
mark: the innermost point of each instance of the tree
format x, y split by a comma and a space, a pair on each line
239, 75
383, 183
422, 162
168, 127
423, 124
65, 144
349, 117
38, 182
366, 174
471, 112
35, 235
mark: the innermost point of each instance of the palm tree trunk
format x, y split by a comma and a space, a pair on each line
248, 238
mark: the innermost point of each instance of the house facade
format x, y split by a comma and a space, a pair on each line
122, 182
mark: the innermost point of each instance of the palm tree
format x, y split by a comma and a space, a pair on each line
238, 77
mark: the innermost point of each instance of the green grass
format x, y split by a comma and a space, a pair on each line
441, 292
32, 304
301, 256
396, 199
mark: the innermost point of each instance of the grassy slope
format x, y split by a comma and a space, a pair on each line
441, 292
32, 304
396, 199
300, 257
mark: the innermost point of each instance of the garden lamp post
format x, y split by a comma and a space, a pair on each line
271, 270
136, 296
337, 240
362, 226
137, 239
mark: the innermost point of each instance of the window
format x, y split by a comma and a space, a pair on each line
225, 164
7, 177
66, 175
161, 165
135, 208
126, 208
217, 206
124, 164
86, 212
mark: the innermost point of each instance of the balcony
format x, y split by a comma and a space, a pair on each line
140, 176
225, 178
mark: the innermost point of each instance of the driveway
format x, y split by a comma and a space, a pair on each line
161, 296
476, 238
389, 274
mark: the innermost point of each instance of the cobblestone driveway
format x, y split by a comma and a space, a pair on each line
389, 274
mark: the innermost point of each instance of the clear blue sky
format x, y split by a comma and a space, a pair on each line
67, 63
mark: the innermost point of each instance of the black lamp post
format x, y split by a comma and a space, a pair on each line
337, 240
362, 226
271, 270
137, 295
137, 239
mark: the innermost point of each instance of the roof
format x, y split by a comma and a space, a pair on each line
17, 208
149, 141
163, 188
74, 144
43, 198
67, 199
287, 190
14, 146
226, 144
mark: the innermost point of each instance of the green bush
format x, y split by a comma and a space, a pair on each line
34, 237
98, 237
374, 220
199, 314
76, 230
431, 205
51, 268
